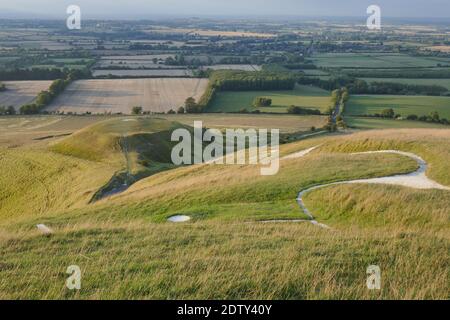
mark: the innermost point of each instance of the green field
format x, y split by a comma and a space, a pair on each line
302, 96
404, 105
426, 82
376, 123
375, 60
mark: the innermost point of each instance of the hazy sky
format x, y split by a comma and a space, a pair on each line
151, 8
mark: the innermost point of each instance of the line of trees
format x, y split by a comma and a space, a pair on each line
303, 111
234, 80
7, 111
389, 113
262, 102
45, 97
405, 73
43, 74
358, 86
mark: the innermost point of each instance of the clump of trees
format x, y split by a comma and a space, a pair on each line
136, 110
191, 106
2, 87
304, 111
180, 110
388, 113
331, 125
262, 102
7, 111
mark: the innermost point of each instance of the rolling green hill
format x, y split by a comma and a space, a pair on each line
225, 251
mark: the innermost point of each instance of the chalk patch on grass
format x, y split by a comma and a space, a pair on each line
299, 154
44, 229
179, 218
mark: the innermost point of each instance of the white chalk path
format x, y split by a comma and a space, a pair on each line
416, 180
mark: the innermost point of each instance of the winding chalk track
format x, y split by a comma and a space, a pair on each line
416, 180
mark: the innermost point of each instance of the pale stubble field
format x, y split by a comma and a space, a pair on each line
121, 95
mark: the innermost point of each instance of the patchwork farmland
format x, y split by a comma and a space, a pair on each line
120, 95
19, 93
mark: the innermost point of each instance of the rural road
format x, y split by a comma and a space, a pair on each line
416, 180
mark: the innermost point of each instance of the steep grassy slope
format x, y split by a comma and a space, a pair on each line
138, 146
37, 179
35, 182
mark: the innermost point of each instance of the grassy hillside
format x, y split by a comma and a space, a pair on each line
217, 260
35, 182
225, 252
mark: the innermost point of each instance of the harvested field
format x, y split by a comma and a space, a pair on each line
19, 93
144, 73
244, 67
120, 95
210, 33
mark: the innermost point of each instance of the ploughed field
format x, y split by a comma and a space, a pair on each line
121, 95
19, 93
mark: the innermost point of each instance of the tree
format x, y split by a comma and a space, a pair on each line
330, 110
136, 110
388, 113
29, 109
180, 110
262, 102
171, 111
341, 124
10, 110
191, 106
345, 95
435, 116
294, 110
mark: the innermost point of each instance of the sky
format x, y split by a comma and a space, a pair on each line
128, 9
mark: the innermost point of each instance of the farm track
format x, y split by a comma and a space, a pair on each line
416, 179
